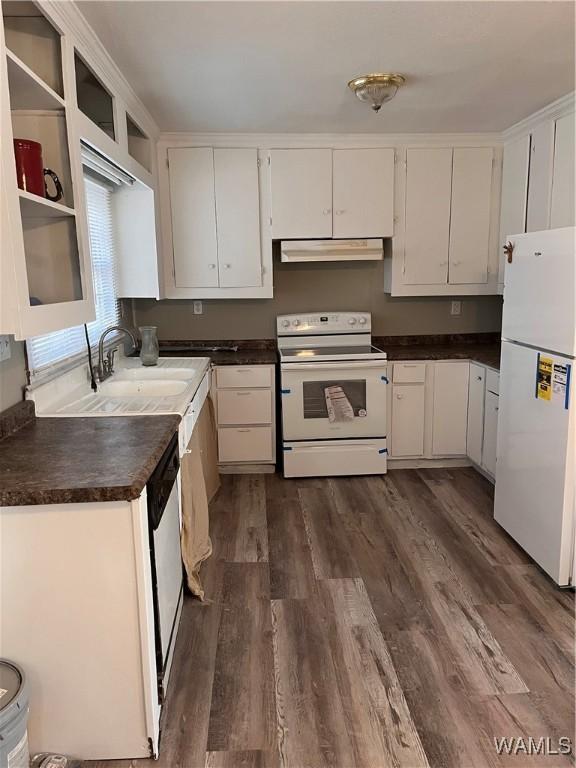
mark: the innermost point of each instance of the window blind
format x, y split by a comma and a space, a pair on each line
47, 352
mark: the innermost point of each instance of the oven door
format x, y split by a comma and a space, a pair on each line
333, 400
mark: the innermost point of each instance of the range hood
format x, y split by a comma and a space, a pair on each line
332, 250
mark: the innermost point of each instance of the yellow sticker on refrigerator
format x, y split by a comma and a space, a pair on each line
544, 378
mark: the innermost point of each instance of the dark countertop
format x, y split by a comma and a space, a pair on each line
483, 348
75, 460
257, 352
485, 354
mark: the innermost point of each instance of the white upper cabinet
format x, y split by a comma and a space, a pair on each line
562, 212
193, 217
540, 183
363, 191
301, 188
237, 217
470, 215
428, 199
215, 211
340, 193
514, 193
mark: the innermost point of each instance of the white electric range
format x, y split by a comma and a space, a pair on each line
333, 389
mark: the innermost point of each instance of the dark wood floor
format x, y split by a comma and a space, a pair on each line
380, 622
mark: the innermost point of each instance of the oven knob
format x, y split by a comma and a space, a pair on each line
352, 321
362, 320
295, 323
285, 323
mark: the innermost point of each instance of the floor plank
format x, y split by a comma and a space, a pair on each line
311, 722
331, 556
242, 714
291, 569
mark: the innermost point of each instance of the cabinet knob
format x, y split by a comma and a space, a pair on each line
340, 211
211, 266
456, 263
479, 378
326, 211
227, 266
399, 397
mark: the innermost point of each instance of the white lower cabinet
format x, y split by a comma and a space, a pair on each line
475, 433
450, 410
407, 437
490, 433
444, 410
245, 414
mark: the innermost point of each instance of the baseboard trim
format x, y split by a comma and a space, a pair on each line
427, 463
483, 472
246, 469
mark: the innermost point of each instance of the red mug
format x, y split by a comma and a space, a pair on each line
30, 171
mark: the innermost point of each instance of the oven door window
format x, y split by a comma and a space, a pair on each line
338, 401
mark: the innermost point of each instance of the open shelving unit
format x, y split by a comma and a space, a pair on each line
36, 207
54, 270
30, 91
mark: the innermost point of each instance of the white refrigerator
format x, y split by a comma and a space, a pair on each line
536, 454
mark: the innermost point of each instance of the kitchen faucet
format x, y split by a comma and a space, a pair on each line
105, 366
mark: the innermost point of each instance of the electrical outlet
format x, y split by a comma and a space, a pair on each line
197, 307
5, 351
456, 308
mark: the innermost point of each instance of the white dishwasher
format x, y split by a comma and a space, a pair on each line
166, 561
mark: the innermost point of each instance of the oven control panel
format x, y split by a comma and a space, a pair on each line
323, 322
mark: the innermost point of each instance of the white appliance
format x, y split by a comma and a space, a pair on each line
536, 454
333, 390
370, 249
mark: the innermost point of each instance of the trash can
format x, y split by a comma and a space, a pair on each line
13, 716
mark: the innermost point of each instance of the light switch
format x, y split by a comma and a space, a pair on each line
197, 307
456, 308
5, 350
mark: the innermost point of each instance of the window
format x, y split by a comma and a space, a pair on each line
46, 352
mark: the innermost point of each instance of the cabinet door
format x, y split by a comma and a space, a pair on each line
490, 433
193, 209
562, 213
450, 415
540, 181
428, 191
301, 187
470, 215
514, 193
407, 420
238, 217
363, 190
475, 430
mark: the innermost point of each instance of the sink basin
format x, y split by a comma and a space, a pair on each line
153, 373
142, 387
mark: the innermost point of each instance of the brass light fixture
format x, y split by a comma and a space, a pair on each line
377, 88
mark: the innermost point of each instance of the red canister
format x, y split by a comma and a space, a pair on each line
29, 166
30, 171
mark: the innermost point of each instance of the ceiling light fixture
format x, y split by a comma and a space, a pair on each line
376, 88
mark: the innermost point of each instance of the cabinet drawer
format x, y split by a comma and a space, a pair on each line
492, 381
408, 373
244, 376
252, 444
244, 406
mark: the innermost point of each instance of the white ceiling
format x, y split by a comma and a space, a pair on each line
283, 66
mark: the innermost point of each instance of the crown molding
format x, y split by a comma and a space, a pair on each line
553, 111
330, 140
66, 14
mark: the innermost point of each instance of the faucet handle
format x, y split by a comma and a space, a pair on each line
110, 359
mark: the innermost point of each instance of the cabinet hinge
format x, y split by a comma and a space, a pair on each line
167, 162
268, 159
258, 162
270, 220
